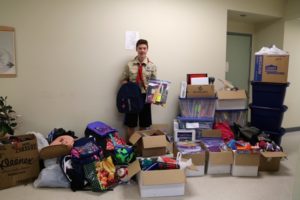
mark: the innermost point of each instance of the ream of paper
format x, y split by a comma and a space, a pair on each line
192, 125
131, 37
199, 81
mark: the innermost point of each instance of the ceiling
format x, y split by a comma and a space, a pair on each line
249, 18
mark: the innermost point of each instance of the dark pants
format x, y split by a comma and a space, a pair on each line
144, 117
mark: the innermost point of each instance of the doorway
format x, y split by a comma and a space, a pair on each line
238, 57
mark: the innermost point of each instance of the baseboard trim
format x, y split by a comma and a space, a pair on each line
292, 129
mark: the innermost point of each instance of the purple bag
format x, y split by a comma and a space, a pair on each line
98, 128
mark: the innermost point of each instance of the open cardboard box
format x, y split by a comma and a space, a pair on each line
231, 100
245, 164
200, 91
158, 183
270, 161
217, 162
19, 161
150, 142
166, 129
198, 160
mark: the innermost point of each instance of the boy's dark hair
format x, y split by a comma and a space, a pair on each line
141, 41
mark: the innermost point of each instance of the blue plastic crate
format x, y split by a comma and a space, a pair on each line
195, 124
199, 108
276, 136
268, 94
232, 116
266, 118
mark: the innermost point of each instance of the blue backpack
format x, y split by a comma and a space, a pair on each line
129, 98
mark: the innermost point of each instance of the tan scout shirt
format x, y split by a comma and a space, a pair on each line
131, 71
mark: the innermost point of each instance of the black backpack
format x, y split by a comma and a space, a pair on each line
129, 98
84, 151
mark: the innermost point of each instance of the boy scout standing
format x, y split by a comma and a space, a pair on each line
139, 70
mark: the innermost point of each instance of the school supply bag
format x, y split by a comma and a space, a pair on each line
129, 98
84, 151
104, 134
157, 92
101, 174
122, 154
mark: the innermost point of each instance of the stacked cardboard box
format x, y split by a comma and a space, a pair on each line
155, 183
231, 107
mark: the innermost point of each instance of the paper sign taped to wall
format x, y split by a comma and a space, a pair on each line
131, 37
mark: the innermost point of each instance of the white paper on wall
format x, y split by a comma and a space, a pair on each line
131, 37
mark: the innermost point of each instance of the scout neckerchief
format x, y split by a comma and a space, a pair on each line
139, 76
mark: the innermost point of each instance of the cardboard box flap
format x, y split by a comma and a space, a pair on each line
54, 151
192, 167
279, 154
161, 127
21, 137
226, 95
133, 169
154, 141
215, 133
152, 132
163, 177
197, 158
220, 158
135, 137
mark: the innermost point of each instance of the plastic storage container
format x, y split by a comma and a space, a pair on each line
268, 94
181, 135
266, 118
191, 123
200, 108
276, 136
232, 116
195, 124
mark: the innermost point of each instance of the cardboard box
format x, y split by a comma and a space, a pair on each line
271, 68
150, 142
231, 100
158, 183
217, 162
198, 160
270, 161
19, 163
245, 164
200, 91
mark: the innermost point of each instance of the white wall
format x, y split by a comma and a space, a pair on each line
265, 35
292, 9
296, 191
292, 45
240, 27
70, 54
269, 33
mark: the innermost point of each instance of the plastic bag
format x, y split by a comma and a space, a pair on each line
227, 133
52, 176
41, 140
157, 92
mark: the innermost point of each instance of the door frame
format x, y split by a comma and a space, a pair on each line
250, 55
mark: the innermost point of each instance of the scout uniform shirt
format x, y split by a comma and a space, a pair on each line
148, 72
